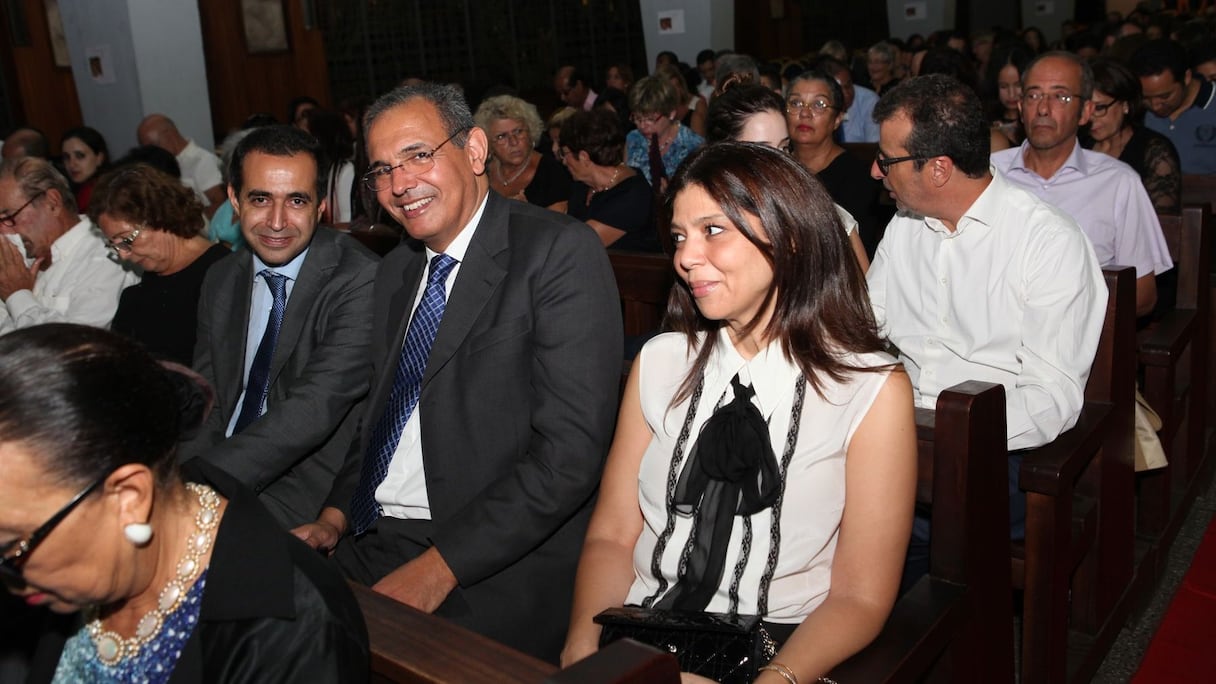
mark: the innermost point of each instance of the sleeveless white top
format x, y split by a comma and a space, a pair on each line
814, 484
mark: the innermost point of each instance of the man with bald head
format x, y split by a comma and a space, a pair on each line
1102, 194
25, 142
200, 167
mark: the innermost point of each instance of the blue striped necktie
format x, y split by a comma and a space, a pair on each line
258, 384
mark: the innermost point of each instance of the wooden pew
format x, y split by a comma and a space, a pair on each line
1198, 189
644, 280
408, 645
1173, 358
1076, 564
956, 623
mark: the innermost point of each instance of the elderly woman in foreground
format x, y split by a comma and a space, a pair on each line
175, 582
516, 169
805, 523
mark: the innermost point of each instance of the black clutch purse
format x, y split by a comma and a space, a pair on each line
725, 648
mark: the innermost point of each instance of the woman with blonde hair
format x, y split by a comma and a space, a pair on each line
516, 169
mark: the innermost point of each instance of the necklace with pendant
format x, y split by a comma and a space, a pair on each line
506, 182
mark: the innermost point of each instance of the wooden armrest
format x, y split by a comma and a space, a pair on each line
622, 662
1162, 343
1052, 468
411, 646
921, 626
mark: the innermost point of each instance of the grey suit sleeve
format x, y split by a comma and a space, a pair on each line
573, 381
317, 401
211, 432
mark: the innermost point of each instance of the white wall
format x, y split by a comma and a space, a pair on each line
155, 51
1047, 15
938, 15
707, 24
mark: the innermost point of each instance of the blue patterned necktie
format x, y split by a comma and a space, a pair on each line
407, 385
259, 373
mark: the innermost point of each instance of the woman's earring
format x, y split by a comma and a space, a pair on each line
138, 533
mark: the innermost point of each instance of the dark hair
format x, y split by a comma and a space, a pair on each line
820, 307
1202, 52
947, 119
825, 78
447, 99
141, 194
619, 101
93, 139
276, 141
1161, 55
1087, 74
666, 55
1120, 83
336, 146
704, 56
623, 69
258, 120
944, 60
296, 103
157, 157
598, 133
88, 401
729, 112
1014, 54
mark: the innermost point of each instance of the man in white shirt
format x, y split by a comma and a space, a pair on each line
859, 101
65, 274
977, 279
573, 88
1104, 195
200, 167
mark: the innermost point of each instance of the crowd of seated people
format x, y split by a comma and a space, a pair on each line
444, 419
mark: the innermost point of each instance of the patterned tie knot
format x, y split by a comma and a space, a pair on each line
441, 266
277, 282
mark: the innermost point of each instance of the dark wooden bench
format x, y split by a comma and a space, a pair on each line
1173, 359
644, 280
408, 645
1198, 189
1076, 564
956, 623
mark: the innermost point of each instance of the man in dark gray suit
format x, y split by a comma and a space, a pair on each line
496, 355
283, 332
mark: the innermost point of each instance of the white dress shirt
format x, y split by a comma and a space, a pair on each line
1106, 198
200, 170
1013, 296
403, 493
82, 284
261, 300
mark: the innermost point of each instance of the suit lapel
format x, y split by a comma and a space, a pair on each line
479, 277
232, 323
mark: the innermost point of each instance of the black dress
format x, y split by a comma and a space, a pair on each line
551, 183
627, 206
161, 312
848, 181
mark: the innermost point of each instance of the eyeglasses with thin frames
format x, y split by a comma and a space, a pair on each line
10, 220
512, 135
123, 246
815, 107
884, 164
13, 554
645, 119
381, 177
1034, 97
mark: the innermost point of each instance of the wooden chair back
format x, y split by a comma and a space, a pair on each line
644, 281
954, 624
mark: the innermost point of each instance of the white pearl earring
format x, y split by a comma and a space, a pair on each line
138, 533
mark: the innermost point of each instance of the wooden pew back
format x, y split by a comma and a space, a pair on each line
954, 624
644, 281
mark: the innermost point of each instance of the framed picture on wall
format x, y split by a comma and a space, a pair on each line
265, 24
59, 40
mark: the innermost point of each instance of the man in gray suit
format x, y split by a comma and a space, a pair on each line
496, 354
283, 332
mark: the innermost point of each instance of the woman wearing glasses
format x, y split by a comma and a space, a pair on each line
1116, 128
174, 582
659, 143
152, 221
814, 109
756, 114
516, 169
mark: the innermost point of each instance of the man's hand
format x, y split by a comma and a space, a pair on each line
323, 535
422, 583
14, 275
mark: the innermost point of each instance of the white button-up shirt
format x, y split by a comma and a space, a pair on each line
1014, 295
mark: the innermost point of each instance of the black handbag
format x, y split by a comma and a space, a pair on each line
725, 648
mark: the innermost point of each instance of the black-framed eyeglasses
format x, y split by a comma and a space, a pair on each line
884, 164
123, 245
10, 220
381, 177
13, 554
1100, 109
